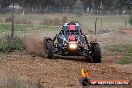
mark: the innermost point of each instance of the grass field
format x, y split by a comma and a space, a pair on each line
87, 22
104, 23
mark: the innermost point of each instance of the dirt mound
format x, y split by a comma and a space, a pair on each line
34, 44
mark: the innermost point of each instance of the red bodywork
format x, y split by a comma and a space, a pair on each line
72, 27
72, 37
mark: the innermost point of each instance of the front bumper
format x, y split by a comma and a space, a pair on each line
77, 52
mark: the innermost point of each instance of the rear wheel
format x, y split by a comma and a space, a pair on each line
48, 48
96, 53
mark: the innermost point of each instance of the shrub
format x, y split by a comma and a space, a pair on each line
8, 19
130, 16
75, 21
47, 21
102, 31
54, 21
9, 45
22, 20
130, 21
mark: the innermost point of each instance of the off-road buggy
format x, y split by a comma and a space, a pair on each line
71, 42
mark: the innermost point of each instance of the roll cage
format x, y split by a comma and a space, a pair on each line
66, 31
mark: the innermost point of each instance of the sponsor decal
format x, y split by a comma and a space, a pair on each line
85, 80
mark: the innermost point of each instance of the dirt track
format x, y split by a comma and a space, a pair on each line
58, 72
61, 73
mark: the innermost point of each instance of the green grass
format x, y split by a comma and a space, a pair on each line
4, 27
125, 50
126, 60
87, 22
119, 48
111, 22
27, 27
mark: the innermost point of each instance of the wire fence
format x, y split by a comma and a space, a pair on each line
54, 22
15, 19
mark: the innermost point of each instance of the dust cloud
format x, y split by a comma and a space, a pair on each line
34, 44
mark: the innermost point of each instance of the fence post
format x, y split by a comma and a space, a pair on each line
12, 28
96, 26
126, 23
101, 22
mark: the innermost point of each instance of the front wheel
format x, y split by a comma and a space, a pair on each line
96, 53
48, 48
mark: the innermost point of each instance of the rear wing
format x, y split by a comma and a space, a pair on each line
68, 26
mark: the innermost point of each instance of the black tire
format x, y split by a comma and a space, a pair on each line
96, 53
48, 48
89, 58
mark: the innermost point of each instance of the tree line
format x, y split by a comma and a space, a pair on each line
69, 5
